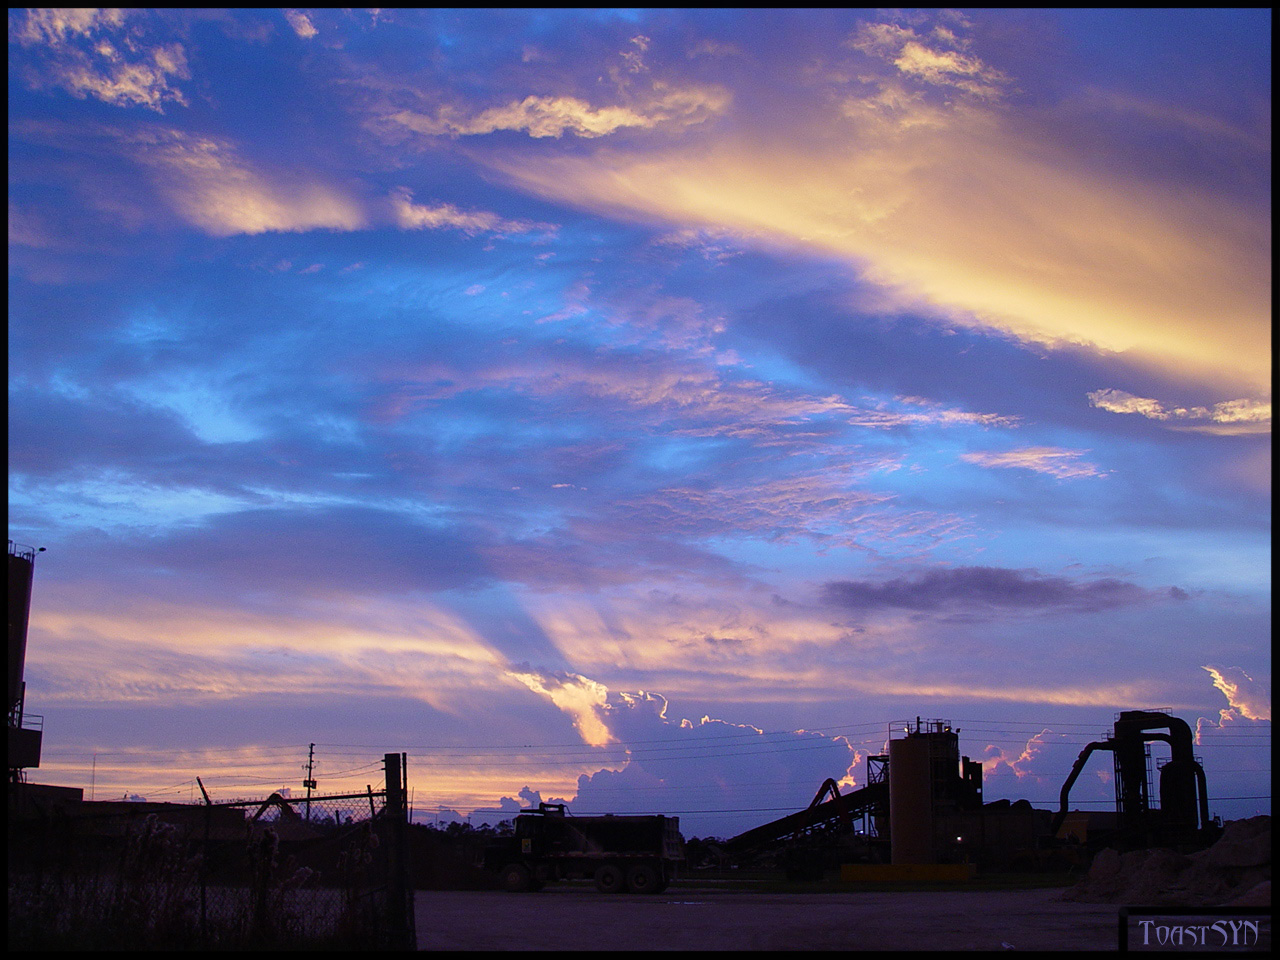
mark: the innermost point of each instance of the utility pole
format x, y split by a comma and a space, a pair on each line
310, 783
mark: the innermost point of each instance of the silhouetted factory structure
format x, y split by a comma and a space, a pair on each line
24, 732
921, 808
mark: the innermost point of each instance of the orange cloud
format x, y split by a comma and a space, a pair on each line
168, 655
579, 697
1247, 696
966, 211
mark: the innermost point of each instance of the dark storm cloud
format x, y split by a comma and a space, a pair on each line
983, 588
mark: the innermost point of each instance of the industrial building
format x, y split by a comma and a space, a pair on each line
921, 814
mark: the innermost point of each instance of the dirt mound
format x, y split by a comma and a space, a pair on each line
1236, 870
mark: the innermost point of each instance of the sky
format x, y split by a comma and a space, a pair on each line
646, 409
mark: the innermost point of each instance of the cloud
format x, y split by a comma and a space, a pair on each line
1248, 697
414, 216
548, 116
1229, 416
982, 588
289, 545
84, 53
934, 58
56, 25
301, 24
212, 188
1054, 461
711, 765
934, 414
821, 504
582, 699
169, 654
1020, 766
964, 210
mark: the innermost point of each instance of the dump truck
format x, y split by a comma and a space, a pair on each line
635, 854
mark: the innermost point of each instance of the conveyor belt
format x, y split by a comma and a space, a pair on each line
848, 805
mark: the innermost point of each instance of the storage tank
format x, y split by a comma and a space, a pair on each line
911, 800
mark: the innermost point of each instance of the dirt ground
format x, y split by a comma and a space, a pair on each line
578, 918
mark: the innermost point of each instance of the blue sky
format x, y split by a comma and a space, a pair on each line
642, 408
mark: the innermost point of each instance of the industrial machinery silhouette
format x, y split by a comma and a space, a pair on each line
1182, 814
923, 802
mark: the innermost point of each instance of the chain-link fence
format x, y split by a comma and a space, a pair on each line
282, 873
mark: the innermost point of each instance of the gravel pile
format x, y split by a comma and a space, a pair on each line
1235, 871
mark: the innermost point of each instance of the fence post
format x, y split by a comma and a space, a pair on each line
399, 895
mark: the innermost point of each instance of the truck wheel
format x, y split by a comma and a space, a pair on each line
515, 878
610, 879
642, 878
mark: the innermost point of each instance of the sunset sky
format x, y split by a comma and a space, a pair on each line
640, 408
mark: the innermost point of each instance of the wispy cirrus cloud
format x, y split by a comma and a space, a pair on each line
918, 411
205, 180
823, 505
417, 216
1229, 416
1053, 461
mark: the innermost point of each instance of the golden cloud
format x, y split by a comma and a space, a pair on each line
547, 116
213, 189
1228, 417
956, 212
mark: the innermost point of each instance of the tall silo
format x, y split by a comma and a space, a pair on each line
929, 783
911, 800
